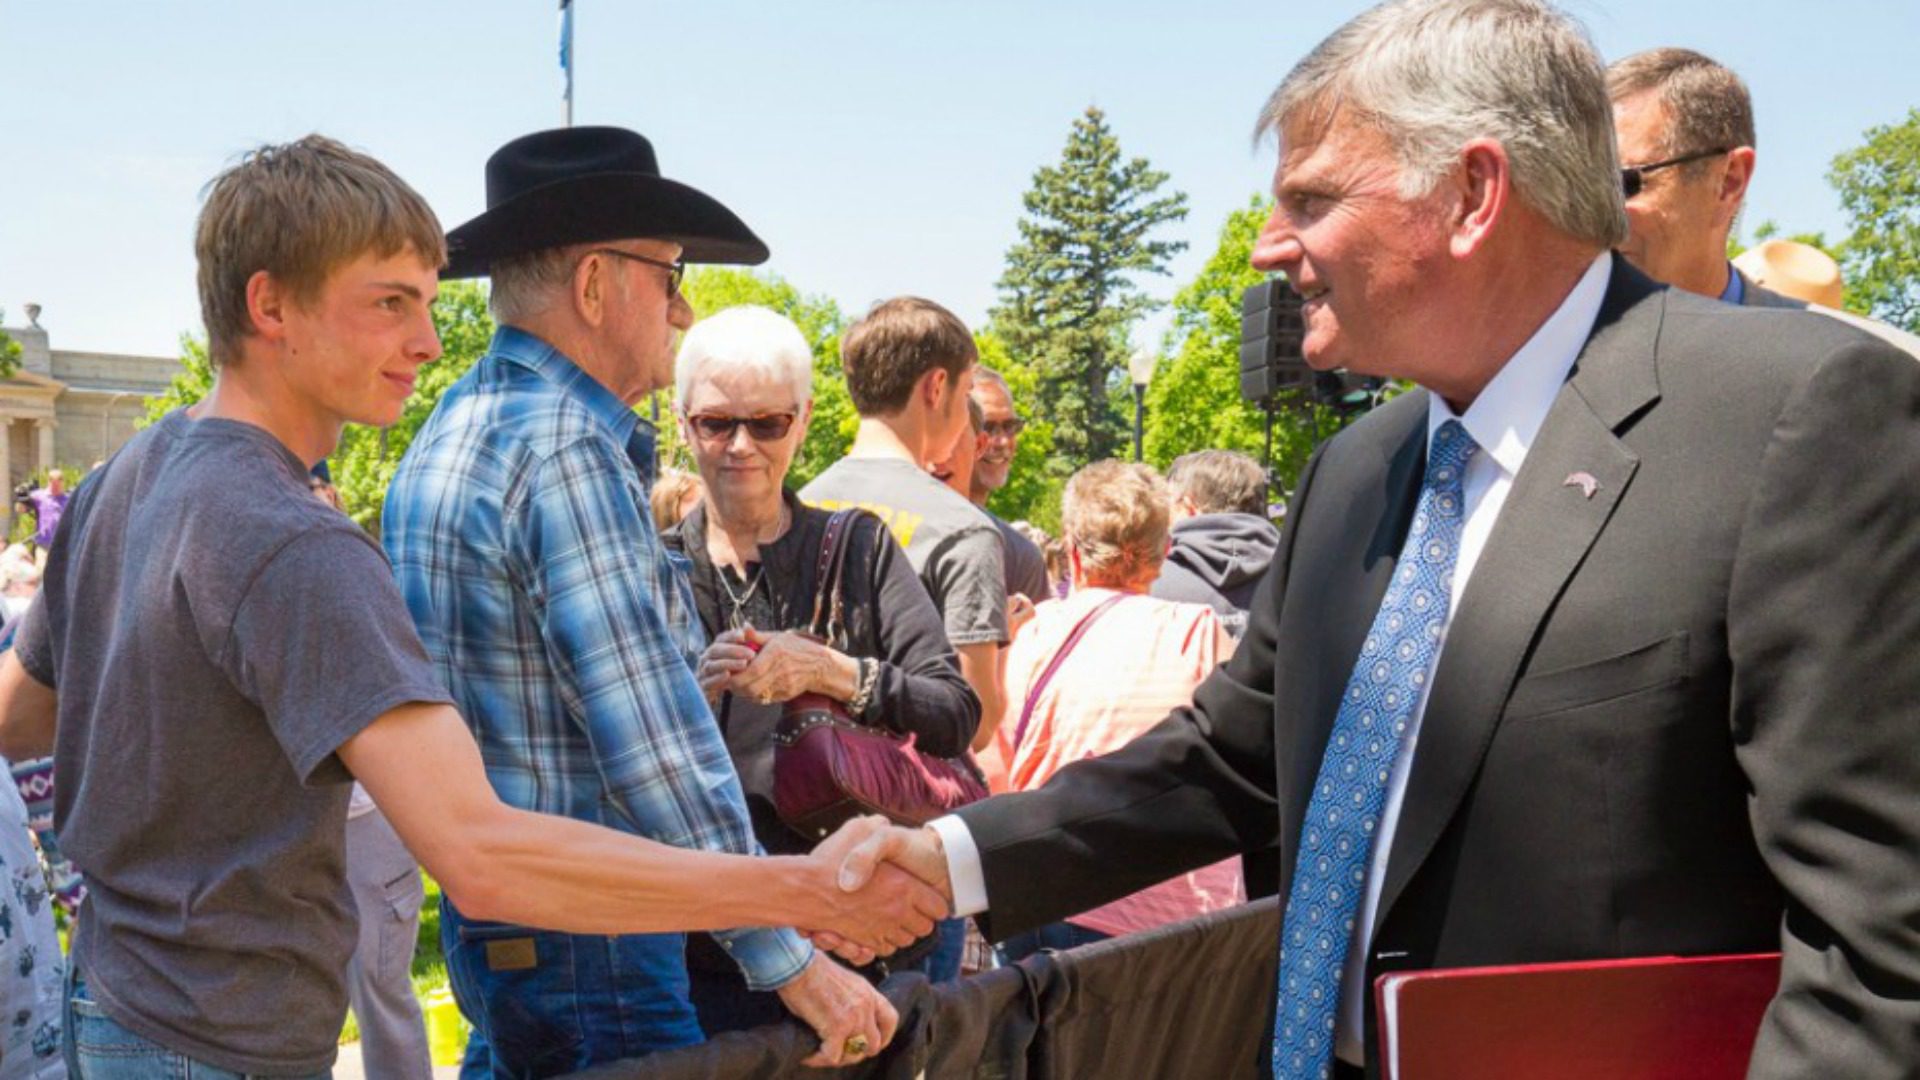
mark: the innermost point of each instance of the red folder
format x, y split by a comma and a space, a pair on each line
1650, 1019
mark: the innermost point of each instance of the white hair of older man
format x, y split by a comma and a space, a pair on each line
748, 338
1433, 75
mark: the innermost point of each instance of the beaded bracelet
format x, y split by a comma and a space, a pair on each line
863, 694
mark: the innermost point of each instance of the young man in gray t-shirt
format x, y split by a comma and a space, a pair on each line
909, 365
214, 654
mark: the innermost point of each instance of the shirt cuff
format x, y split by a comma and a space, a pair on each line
769, 957
964, 876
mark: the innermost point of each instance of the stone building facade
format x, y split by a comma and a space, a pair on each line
70, 408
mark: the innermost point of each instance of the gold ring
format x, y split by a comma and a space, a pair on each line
766, 699
855, 1046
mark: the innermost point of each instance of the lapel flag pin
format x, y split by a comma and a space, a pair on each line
1582, 480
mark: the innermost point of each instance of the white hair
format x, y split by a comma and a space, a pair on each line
1433, 75
750, 338
526, 285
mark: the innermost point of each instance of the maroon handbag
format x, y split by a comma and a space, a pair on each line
829, 767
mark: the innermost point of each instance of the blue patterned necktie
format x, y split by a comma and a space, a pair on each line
1343, 815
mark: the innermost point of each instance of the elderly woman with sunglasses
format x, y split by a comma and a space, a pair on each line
744, 384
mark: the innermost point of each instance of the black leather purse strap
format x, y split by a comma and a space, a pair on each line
1053, 665
827, 603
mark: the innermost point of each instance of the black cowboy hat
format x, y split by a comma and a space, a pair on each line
583, 184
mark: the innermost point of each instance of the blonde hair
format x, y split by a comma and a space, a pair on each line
1115, 514
300, 211
670, 495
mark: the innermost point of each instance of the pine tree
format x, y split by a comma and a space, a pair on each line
1068, 297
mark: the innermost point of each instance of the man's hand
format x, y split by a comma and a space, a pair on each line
1019, 613
917, 851
852, 1019
882, 851
872, 906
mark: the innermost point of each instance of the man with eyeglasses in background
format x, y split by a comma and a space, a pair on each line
1685, 128
999, 438
519, 529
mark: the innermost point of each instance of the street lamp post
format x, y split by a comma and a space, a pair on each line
1140, 370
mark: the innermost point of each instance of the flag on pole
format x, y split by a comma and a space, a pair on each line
566, 56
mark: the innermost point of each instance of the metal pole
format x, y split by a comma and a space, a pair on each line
1139, 410
566, 54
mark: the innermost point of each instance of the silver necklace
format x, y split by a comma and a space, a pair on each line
739, 600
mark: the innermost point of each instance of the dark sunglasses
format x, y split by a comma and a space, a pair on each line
676, 270
719, 428
1004, 428
1633, 178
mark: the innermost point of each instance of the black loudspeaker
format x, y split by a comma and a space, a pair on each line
1271, 331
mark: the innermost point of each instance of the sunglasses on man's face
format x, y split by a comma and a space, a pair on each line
1633, 178
768, 427
1004, 429
676, 270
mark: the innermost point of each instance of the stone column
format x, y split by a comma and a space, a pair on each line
44, 430
6, 473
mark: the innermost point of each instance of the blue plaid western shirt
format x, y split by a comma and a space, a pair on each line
519, 530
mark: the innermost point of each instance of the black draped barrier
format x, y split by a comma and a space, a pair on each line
1194, 999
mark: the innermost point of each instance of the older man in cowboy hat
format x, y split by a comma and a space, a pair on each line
519, 530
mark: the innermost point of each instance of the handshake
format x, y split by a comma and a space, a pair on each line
867, 890
888, 887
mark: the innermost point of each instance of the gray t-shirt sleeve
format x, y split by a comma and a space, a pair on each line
1026, 568
33, 641
969, 586
323, 644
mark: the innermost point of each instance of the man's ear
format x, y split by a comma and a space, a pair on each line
1483, 181
589, 289
1734, 181
933, 387
267, 302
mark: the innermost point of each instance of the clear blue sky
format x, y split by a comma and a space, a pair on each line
880, 146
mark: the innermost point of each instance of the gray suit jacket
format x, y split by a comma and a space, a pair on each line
1676, 717
1756, 295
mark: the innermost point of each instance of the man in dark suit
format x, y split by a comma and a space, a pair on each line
1685, 127
1598, 644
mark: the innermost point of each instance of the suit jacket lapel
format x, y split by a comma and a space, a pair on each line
1543, 533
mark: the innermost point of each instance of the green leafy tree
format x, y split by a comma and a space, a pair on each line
1033, 491
1769, 230
1879, 188
9, 351
714, 289
192, 382
364, 462
1068, 298
1194, 401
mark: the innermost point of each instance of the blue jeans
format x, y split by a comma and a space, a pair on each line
944, 964
98, 1048
545, 1003
1059, 937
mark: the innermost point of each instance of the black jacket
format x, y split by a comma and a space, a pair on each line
1673, 714
889, 617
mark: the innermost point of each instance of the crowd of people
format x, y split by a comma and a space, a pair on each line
1458, 711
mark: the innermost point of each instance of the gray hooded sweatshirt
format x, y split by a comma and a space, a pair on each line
1218, 559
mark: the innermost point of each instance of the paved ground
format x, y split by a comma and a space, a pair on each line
349, 1067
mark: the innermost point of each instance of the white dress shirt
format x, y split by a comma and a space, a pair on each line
1503, 420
